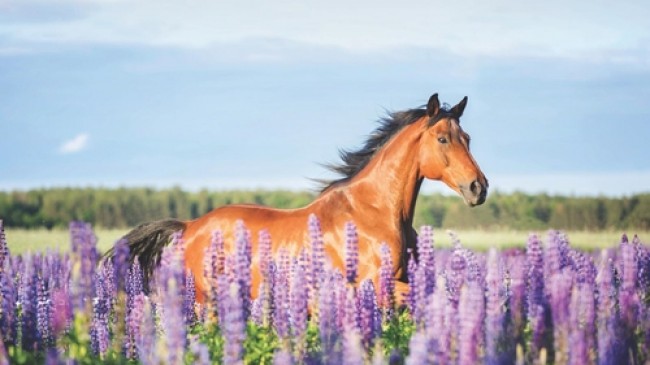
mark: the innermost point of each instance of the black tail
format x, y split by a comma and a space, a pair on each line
147, 241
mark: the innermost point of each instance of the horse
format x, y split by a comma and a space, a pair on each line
377, 190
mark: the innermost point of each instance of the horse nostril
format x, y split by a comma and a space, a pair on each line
476, 187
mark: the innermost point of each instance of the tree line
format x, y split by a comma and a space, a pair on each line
127, 207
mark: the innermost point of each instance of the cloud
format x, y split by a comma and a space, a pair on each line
500, 28
74, 145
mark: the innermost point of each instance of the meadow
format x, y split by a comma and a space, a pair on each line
549, 302
39, 240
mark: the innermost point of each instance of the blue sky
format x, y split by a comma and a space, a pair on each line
255, 94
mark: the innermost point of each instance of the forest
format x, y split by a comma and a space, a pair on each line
127, 207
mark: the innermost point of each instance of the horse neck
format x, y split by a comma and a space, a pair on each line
391, 181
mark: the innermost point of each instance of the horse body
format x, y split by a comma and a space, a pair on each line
378, 194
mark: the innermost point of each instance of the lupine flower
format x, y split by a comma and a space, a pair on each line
281, 296
189, 302
234, 327
28, 302
456, 272
471, 314
535, 292
99, 333
369, 314
352, 353
610, 349
44, 313
243, 265
317, 261
420, 353
4, 359
146, 337
582, 324
8, 299
120, 260
328, 318
213, 266
426, 258
351, 252
84, 251
386, 281
200, 352
439, 322
283, 357
4, 249
498, 348
134, 317
298, 307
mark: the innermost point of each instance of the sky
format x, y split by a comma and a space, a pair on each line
258, 94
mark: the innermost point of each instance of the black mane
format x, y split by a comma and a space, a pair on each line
355, 161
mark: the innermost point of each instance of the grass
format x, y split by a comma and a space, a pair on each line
22, 240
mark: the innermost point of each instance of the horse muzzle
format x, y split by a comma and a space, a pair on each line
474, 193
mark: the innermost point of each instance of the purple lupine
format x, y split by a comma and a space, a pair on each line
281, 296
317, 261
298, 308
351, 252
559, 288
234, 326
99, 331
4, 248
456, 272
555, 253
535, 306
27, 300
146, 337
515, 263
264, 297
243, 262
419, 295
436, 330
419, 351
386, 282
426, 258
84, 251
213, 266
4, 359
8, 299
327, 321
369, 314
498, 348
352, 351
200, 352
283, 357
411, 269
189, 300
44, 313
471, 314
610, 348
134, 316
120, 262
582, 324
628, 299
172, 319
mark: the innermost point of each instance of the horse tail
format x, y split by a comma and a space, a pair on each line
147, 241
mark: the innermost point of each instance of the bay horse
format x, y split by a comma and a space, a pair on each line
377, 191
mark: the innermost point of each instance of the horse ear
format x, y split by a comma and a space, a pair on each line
433, 106
457, 111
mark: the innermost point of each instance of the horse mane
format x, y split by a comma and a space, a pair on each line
353, 161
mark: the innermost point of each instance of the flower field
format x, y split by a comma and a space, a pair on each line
547, 303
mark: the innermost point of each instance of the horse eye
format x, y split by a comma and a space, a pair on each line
442, 139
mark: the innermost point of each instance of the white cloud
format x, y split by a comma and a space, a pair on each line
495, 28
74, 145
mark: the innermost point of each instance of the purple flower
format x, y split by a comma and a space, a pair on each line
419, 350
189, 302
498, 348
610, 349
234, 327
317, 260
85, 256
281, 296
386, 282
369, 314
582, 324
146, 337
352, 352
283, 357
329, 331
535, 292
28, 302
120, 261
173, 321
438, 323
134, 316
8, 299
213, 266
243, 266
99, 332
559, 288
471, 314
426, 258
44, 313
351, 252
4, 249
298, 307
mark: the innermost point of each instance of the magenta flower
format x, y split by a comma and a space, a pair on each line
386, 282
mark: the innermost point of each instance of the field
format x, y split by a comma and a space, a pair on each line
559, 300
25, 240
